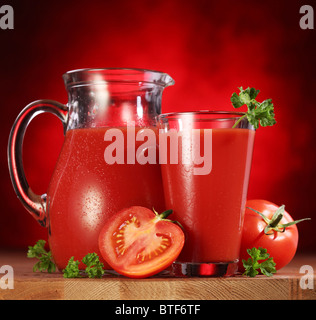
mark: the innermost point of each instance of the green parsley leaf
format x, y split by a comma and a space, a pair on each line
45, 258
72, 269
94, 267
267, 267
258, 113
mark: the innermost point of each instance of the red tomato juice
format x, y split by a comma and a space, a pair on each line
85, 191
211, 207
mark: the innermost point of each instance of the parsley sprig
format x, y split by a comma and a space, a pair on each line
45, 258
72, 269
258, 112
267, 266
94, 268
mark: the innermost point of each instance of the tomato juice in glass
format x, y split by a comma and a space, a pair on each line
211, 205
85, 190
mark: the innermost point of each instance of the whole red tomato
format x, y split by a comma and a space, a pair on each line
272, 228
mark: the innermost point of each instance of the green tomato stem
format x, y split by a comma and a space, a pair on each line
274, 224
165, 214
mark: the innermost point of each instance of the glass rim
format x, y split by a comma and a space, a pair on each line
177, 115
78, 77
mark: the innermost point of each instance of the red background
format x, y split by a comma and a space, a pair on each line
209, 47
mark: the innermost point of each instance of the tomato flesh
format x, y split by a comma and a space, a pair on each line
137, 243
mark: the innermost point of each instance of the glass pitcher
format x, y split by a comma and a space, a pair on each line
84, 189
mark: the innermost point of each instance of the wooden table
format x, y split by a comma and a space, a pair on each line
285, 285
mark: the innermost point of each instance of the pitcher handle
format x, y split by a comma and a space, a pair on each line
35, 204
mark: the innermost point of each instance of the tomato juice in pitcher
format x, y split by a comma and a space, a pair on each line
85, 189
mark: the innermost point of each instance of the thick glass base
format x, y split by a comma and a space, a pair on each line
211, 269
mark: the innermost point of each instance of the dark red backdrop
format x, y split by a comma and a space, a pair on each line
209, 48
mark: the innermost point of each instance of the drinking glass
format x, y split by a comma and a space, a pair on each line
205, 158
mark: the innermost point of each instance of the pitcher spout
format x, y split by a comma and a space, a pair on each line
88, 76
114, 96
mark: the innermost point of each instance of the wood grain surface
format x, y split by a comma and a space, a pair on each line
285, 285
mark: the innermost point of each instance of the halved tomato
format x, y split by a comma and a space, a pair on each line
138, 242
